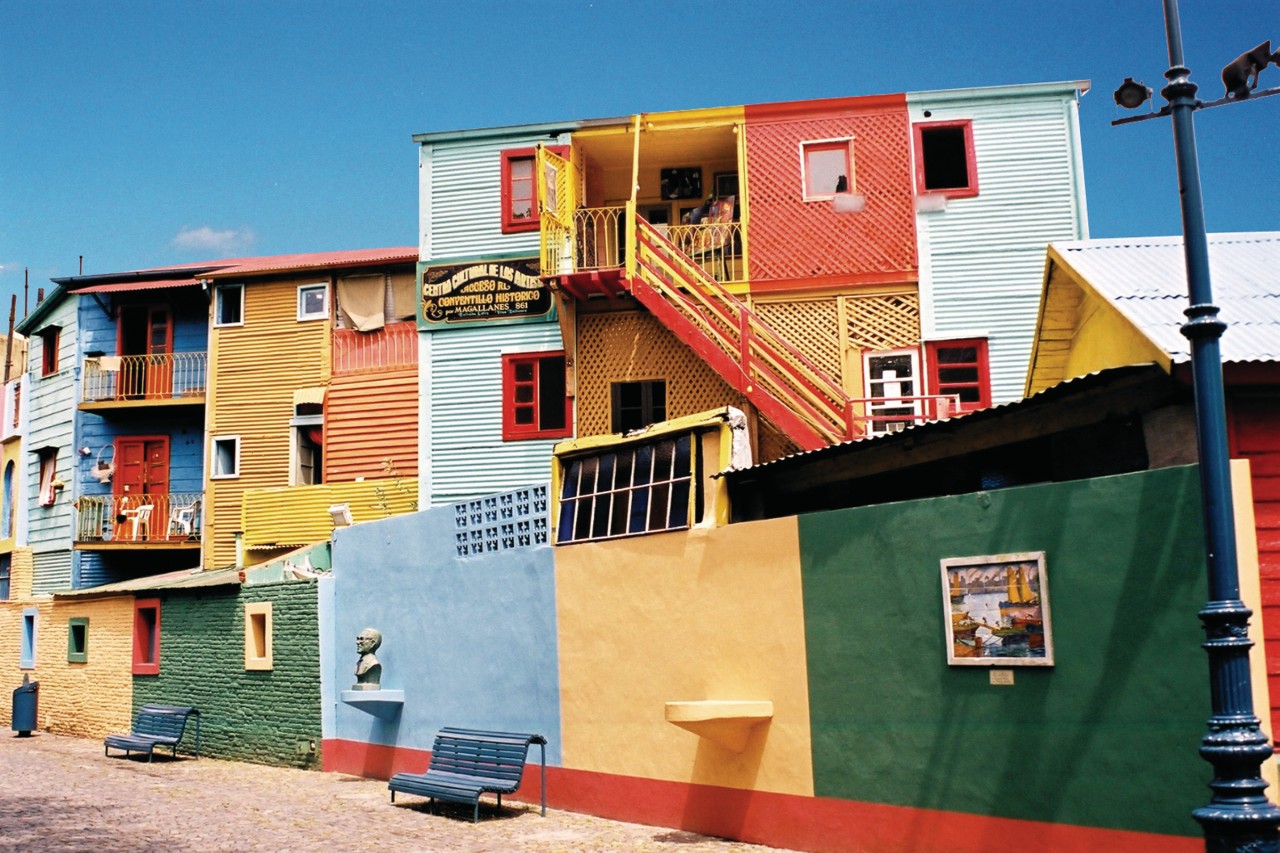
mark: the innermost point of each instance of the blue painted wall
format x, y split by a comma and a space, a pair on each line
470, 639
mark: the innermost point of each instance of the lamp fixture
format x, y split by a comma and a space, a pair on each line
1132, 94
341, 515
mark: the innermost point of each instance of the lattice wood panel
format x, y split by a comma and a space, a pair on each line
773, 443
792, 238
811, 326
630, 346
883, 322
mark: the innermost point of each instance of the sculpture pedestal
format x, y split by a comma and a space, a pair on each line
381, 703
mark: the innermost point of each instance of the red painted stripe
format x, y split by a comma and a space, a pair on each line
780, 820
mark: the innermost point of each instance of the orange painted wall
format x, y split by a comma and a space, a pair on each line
712, 614
796, 243
371, 419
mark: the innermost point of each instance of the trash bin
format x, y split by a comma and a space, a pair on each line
26, 701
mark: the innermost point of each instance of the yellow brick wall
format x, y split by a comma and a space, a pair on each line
90, 699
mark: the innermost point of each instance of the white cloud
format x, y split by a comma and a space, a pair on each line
205, 238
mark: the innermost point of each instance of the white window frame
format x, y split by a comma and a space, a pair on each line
804, 163
892, 398
214, 473
296, 425
48, 473
219, 295
303, 289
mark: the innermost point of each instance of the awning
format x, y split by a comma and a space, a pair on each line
120, 286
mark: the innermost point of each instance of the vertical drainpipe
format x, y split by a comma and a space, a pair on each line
635, 189
239, 549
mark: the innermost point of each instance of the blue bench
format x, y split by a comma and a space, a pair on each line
156, 725
465, 763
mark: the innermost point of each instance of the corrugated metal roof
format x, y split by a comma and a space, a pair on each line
1146, 279
139, 285
314, 260
182, 579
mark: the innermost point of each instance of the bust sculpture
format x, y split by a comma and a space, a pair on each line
368, 670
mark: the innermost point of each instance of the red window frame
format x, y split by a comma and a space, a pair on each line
525, 396
938, 384
50, 337
146, 637
510, 224
971, 160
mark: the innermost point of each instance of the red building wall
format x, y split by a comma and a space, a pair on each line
794, 243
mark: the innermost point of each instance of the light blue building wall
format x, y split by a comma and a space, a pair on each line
467, 615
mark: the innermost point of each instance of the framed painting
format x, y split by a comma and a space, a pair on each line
997, 610
681, 183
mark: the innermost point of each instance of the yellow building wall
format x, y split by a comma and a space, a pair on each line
289, 517
254, 370
11, 452
713, 614
94, 698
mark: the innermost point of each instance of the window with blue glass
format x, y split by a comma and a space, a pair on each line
27, 654
6, 511
6, 563
629, 490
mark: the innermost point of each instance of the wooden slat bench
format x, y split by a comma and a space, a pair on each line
156, 725
467, 762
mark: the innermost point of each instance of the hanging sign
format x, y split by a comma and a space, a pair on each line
469, 293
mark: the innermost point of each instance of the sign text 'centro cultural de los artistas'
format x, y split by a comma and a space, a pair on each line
468, 293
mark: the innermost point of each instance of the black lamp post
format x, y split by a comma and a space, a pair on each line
1238, 817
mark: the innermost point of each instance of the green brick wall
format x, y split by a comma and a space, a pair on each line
261, 717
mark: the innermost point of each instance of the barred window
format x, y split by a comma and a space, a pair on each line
628, 491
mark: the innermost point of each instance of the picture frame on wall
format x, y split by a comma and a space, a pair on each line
684, 182
726, 184
997, 610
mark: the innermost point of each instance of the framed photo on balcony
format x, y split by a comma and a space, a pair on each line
997, 610
726, 184
684, 182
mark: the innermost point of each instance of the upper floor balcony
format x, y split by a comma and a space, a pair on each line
292, 516
110, 522
393, 347
159, 379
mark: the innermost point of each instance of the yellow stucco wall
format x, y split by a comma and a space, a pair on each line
254, 370
712, 614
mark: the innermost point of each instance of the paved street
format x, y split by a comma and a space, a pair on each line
61, 794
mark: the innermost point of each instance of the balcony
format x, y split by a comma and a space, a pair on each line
162, 379
292, 516
107, 522
393, 347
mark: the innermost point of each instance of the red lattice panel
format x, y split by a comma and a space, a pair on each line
794, 239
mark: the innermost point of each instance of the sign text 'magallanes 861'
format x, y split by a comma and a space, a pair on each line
470, 293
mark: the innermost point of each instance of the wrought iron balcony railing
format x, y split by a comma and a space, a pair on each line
144, 378
172, 518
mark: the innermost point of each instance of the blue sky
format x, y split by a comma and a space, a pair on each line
148, 133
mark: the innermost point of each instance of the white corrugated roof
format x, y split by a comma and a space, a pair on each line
1146, 279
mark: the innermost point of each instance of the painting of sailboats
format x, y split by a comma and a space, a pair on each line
997, 609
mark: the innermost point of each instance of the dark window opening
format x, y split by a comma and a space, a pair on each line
636, 405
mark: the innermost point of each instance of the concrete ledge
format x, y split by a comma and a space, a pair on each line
727, 722
380, 703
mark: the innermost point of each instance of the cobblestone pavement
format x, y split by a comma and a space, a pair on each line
61, 794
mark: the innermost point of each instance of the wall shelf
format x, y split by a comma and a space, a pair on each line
727, 722
380, 703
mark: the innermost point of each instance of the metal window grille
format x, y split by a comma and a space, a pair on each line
633, 490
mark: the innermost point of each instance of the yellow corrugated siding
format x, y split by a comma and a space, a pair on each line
370, 423
299, 515
254, 370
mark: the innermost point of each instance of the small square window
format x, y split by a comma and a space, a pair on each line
945, 161
78, 640
535, 404
959, 369
146, 636
636, 405
520, 188
228, 305
225, 457
313, 302
257, 636
826, 168
50, 340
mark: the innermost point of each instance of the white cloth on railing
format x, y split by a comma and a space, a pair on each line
109, 363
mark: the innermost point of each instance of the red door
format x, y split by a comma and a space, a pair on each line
141, 481
146, 342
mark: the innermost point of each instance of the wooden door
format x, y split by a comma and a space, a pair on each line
159, 353
141, 479
146, 341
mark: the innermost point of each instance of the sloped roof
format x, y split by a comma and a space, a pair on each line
1146, 279
314, 260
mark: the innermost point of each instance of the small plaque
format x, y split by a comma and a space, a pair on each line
1002, 677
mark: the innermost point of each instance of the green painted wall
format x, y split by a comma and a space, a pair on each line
245, 715
1105, 738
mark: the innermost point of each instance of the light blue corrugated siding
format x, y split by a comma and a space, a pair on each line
52, 412
465, 206
986, 254
468, 456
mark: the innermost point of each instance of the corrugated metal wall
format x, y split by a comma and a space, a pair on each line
51, 571
462, 186
370, 422
464, 412
253, 372
52, 410
982, 258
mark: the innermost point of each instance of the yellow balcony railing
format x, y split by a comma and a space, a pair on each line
291, 516
144, 378
716, 247
172, 518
